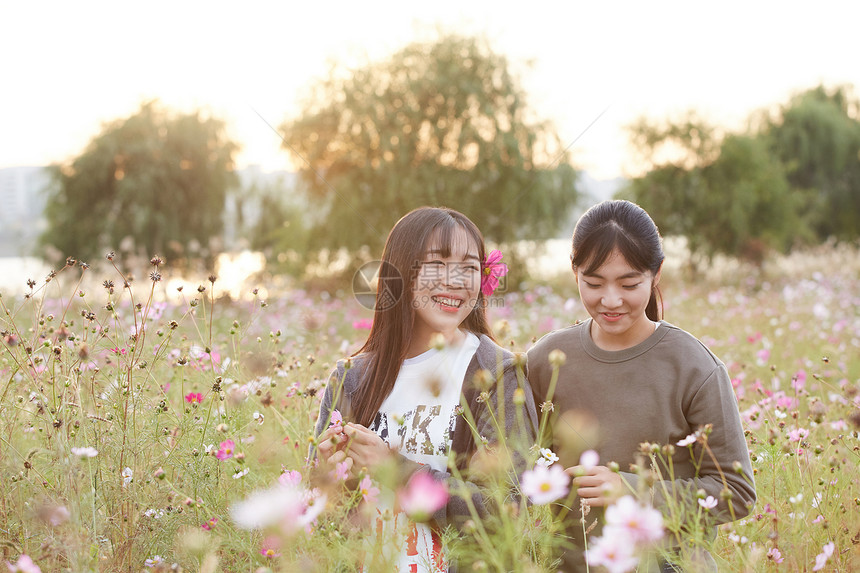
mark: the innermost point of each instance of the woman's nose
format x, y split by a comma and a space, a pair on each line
610, 299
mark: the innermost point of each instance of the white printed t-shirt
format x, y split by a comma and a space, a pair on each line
417, 419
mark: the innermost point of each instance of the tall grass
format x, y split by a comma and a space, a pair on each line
158, 382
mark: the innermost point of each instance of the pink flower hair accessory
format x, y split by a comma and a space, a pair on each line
491, 270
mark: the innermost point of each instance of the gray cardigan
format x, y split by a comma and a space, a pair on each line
489, 356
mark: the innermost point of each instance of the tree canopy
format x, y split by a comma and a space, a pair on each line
817, 137
157, 178
793, 177
441, 123
725, 194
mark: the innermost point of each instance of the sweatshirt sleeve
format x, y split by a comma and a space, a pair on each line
726, 472
331, 397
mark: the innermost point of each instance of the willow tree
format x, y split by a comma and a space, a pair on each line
444, 123
155, 178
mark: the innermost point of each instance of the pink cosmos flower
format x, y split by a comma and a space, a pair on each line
774, 555
336, 418
210, 525
341, 471
226, 450
798, 381
368, 490
543, 484
194, 398
270, 547
491, 271
314, 502
640, 523
24, 565
290, 478
615, 552
709, 502
363, 324
589, 459
422, 496
822, 558
797, 434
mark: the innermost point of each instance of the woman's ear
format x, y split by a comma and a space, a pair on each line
658, 275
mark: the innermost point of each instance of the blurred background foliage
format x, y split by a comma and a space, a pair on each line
448, 123
791, 179
155, 182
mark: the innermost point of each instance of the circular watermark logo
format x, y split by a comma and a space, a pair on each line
377, 285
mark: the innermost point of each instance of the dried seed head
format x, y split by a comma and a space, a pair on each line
156, 261
110, 255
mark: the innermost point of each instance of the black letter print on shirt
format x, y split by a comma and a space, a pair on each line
419, 441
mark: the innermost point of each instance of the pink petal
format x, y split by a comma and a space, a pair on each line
499, 270
494, 257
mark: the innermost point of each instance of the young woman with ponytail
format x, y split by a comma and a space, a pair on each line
640, 379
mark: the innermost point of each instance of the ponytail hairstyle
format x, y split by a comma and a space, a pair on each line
624, 226
394, 316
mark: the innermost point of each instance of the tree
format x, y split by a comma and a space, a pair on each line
157, 178
441, 123
817, 137
726, 194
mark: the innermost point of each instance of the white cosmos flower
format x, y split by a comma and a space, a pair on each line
547, 457
85, 452
267, 507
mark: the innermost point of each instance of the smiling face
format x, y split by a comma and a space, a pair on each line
445, 290
615, 296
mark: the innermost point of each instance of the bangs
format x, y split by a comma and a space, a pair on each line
450, 233
602, 242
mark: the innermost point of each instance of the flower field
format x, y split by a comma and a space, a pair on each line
148, 428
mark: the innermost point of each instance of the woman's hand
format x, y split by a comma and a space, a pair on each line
330, 441
364, 448
597, 485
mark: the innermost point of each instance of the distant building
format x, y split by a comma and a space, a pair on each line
22, 201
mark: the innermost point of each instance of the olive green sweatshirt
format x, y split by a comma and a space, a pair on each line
659, 391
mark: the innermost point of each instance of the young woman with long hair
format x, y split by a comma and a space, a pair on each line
401, 393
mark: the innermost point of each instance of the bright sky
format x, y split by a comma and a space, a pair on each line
67, 67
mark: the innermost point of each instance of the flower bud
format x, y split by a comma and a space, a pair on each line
437, 341
483, 380
520, 359
519, 397
557, 358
